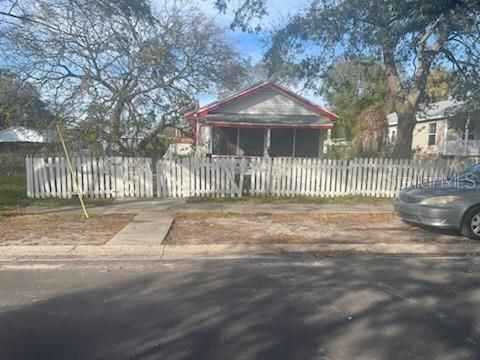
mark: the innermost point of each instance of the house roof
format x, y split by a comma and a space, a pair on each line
205, 111
431, 112
20, 134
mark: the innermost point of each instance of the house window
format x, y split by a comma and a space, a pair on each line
393, 136
432, 133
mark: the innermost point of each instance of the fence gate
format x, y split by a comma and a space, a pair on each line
200, 177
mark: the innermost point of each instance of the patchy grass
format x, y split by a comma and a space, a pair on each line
60, 229
13, 192
300, 228
13, 196
72, 201
341, 200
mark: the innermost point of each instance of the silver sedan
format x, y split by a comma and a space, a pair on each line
448, 204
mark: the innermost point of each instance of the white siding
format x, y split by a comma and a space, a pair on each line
266, 101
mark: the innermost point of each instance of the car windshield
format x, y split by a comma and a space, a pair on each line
471, 174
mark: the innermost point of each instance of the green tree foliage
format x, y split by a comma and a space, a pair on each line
407, 37
350, 87
439, 84
21, 105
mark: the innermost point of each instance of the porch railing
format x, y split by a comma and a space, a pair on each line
462, 148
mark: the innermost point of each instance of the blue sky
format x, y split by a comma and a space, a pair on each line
252, 45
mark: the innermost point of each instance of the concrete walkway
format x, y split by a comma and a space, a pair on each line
147, 228
180, 205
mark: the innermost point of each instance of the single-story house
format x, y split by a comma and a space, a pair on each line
20, 134
179, 146
22, 140
442, 130
18, 141
263, 120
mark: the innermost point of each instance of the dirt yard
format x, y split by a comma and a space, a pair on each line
300, 228
60, 229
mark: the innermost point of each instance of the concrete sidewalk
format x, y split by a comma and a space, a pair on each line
180, 205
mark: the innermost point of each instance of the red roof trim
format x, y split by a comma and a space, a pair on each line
264, 126
203, 112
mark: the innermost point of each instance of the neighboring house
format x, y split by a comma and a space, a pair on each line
20, 134
178, 147
18, 141
435, 135
263, 120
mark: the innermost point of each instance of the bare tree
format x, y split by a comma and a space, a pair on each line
121, 70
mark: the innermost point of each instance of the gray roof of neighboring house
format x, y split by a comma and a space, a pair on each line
20, 134
435, 111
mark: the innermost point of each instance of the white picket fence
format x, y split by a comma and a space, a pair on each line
378, 177
118, 177
102, 177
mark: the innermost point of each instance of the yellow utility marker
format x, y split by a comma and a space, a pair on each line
74, 177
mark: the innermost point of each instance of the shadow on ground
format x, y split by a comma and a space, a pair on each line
338, 308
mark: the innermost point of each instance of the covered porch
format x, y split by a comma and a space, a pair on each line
462, 148
462, 138
268, 142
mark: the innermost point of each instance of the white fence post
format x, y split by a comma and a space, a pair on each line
29, 176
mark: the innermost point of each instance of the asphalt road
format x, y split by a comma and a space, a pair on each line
290, 308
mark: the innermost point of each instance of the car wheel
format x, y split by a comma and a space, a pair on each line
471, 223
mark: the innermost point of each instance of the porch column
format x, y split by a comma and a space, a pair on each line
266, 143
321, 140
210, 139
294, 141
327, 142
445, 137
237, 152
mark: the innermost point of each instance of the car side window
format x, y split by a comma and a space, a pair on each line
474, 174
470, 175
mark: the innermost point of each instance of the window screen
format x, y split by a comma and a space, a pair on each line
224, 141
252, 141
281, 142
307, 142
